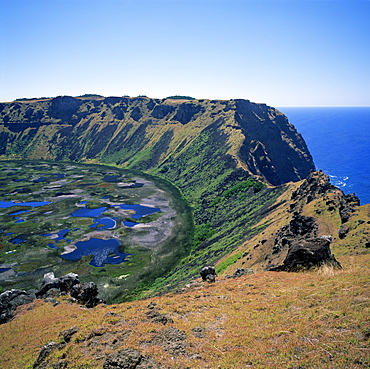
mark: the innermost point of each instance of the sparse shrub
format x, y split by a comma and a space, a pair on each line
178, 97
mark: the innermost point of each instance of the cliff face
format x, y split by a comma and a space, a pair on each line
174, 137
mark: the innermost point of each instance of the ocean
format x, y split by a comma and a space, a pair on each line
339, 142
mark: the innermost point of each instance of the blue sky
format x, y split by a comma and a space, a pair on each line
279, 52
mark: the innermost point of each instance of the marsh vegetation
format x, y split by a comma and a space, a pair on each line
115, 227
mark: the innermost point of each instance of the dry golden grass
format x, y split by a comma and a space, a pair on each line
266, 320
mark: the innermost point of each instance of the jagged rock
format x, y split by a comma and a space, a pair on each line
347, 206
63, 284
307, 254
128, 359
208, 274
299, 227
316, 184
86, 294
302, 226
45, 351
240, 271
10, 300
343, 231
68, 333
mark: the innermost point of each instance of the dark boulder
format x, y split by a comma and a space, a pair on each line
307, 254
128, 359
10, 300
208, 274
86, 294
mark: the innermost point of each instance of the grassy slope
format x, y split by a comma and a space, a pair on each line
266, 320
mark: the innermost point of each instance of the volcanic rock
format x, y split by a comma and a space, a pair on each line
86, 294
128, 359
10, 300
208, 274
307, 254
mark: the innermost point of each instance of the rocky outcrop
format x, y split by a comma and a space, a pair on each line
315, 185
299, 227
307, 254
10, 300
208, 274
348, 204
83, 293
298, 245
52, 287
57, 285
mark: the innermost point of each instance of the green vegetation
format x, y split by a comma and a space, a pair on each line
179, 97
224, 264
202, 233
91, 96
242, 187
70, 187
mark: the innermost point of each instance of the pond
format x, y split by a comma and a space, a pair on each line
140, 210
104, 223
103, 252
89, 213
34, 204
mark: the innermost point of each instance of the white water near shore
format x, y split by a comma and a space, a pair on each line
339, 141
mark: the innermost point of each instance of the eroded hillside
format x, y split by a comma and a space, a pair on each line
162, 135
